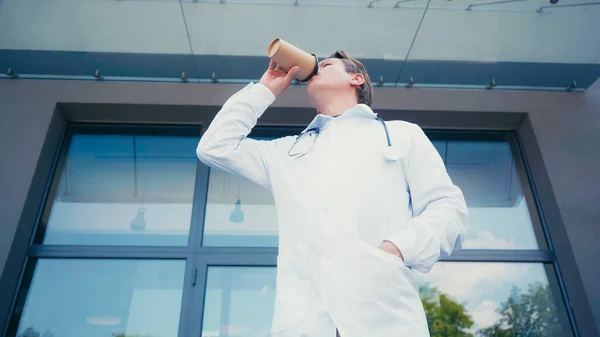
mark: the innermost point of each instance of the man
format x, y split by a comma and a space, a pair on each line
356, 215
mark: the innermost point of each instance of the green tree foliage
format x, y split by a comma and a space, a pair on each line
531, 314
445, 317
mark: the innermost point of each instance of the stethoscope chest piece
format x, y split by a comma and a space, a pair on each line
392, 153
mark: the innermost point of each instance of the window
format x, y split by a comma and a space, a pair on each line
505, 245
500, 204
113, 239
138, 238
238, 213
493, 299
123, 190
239, 301
102, 297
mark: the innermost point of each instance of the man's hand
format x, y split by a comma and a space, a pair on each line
276, 79
391, 248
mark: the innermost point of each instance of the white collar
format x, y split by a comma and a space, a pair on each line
359, 110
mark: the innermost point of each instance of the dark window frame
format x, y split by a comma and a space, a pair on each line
199, 259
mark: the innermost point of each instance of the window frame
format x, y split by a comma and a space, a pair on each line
199, 259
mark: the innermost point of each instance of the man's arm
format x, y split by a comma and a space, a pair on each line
225, 144
440, 214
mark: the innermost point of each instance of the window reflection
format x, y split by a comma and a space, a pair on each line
102, 298
238, 213
493, 300
124, 190
460, 299
239, 301
486, 172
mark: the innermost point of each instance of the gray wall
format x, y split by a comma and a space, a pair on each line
560, 133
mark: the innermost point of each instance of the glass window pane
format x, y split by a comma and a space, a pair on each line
250, 223
493, 300
499, 216
124, 190
239, 213
98, 298
239, 301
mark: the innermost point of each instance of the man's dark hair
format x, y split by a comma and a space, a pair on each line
365, 91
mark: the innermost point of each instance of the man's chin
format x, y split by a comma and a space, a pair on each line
312, 83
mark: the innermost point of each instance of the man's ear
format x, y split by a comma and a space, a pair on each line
357, 79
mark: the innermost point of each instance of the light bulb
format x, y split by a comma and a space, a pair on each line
237, 215
138, 223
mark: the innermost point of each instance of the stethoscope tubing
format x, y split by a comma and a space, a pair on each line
390, 153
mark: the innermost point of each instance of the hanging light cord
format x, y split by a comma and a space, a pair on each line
187, 32
135, 181
412, 43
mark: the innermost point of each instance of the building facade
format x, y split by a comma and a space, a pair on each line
110, 226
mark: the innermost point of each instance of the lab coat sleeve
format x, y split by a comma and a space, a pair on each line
440, 214
225, 144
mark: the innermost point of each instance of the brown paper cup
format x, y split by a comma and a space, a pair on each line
287, 56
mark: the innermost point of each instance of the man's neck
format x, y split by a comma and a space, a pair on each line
334, 107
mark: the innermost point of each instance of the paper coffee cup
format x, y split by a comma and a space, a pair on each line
287, 56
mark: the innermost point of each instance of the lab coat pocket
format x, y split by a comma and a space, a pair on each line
291, 301
385, 298
380, 254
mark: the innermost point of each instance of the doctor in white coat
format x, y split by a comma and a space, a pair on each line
361, 204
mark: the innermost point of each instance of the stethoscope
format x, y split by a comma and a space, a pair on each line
391, 153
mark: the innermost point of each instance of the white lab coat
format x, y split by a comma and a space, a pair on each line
335, 205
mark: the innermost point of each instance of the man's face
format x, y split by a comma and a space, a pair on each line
332, 75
